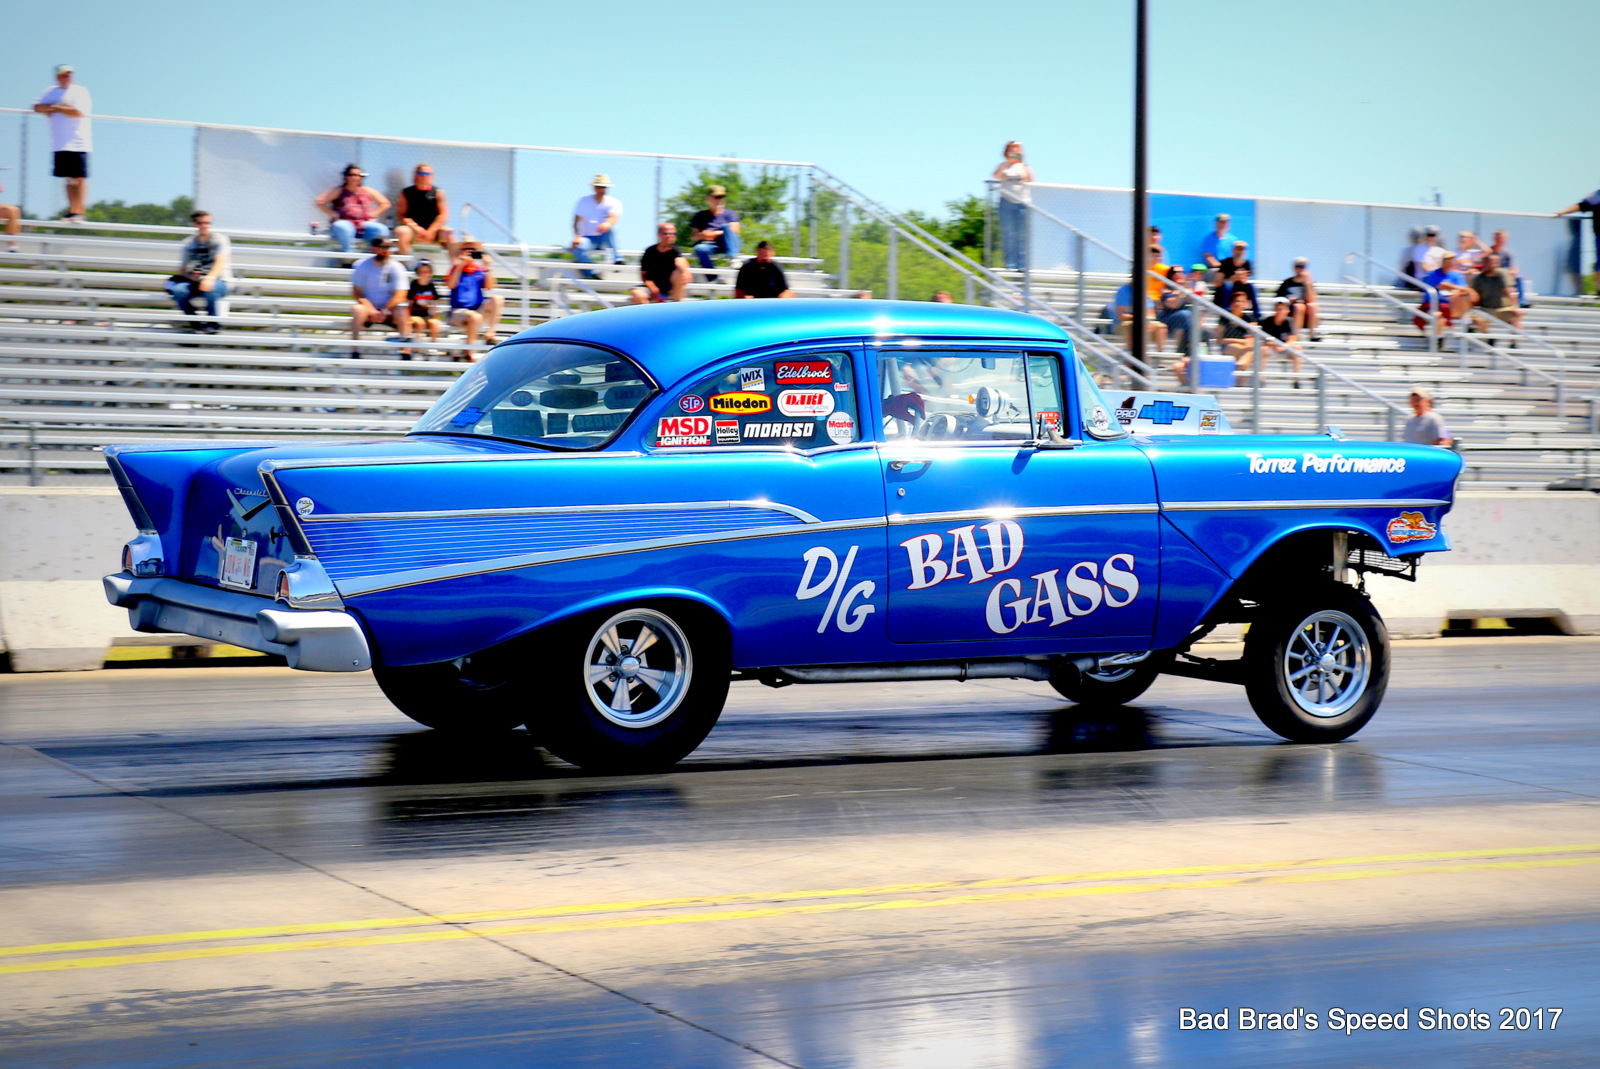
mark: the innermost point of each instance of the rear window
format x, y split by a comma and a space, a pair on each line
548, 393
799, 401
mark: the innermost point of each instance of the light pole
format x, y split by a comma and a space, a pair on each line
1141, 229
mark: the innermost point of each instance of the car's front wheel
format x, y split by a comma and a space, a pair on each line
1316, 665
636, 689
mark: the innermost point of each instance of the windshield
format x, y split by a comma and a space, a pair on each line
549, 393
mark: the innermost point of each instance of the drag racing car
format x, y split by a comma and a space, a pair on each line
615, 514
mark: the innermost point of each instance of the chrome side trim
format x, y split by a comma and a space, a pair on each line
1002, 512
559, 510
130, 496
309, 586
286, 514
370, 462
1349, 503
374, 584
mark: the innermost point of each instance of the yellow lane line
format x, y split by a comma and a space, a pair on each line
657, 920
317, 927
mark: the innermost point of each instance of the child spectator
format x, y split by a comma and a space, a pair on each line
353, 209
1427, 426
422, 212
378, 284
428, 298
205, 270
473, 302
1155, 271
1302, 294
715, 229
1281, 327
1450, 285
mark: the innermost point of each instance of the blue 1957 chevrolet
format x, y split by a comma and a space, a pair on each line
615, 514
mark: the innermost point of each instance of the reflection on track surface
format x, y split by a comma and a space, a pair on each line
257, 867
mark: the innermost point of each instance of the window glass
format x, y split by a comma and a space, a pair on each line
1093, 409
550, 393
1044, 376
791, 402
964, 397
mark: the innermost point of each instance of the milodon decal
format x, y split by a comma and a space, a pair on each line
1411, 527
753, 378
803, 373
727, 432
803, 429
1316, 463
811, 403
691, 403
683, 430
741, 404
1089, 586
850, 601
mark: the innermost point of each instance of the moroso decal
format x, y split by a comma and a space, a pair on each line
1411, 527
683, 430
780, 430
753, 378
727, 432
812, 403
803, 373
741, 403
850, 616
1089, 586
691, 403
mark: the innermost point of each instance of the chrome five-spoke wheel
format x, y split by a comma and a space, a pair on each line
638, 668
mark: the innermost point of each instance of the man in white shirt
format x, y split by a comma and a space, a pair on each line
593, 218
68, 107
1428, 255
379, 285
205, 271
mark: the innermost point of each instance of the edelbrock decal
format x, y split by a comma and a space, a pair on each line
683, 430
803, 373
833, 584
741, 404
811, 403
1315, 463
753, 378
1411, 527
1088, 584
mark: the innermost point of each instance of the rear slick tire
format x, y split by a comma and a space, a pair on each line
468, 696
1317, 665
1105, 689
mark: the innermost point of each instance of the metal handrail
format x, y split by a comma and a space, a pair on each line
1431, 313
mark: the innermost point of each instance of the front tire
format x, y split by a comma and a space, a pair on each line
1316, 666
637, 689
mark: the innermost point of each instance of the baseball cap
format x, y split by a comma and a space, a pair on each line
717, 191
63, 68
1448, 255
601, 180
1430, 230
1241, 244
1197, 267
424, 263
380, 243
1422, 391
1280, 300
1301, 261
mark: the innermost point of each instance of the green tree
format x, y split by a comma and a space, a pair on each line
115, 211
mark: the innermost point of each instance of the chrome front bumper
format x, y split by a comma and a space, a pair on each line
313, 640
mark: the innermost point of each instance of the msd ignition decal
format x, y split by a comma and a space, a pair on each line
683, 430
691, 403
850, 616
741, 404
727, 432
803, 373
753, 378
1411, 527
842, 428
1315, 464
810, 403
779, 430
1089, 585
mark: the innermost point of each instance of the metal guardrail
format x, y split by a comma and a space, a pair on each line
1430, 313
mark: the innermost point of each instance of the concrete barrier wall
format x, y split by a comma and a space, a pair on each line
1515, 554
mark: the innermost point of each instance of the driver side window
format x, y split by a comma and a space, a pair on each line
965, 398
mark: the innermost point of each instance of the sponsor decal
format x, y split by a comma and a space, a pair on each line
1164, 413
1125, 411
691, 402
467, 417
753, 378
741, 403
803, 373
1411, 527
780, 430
304, 507
1089, 586
842, 428
1052, 418
1314, 463
727, 432
841, 387
812, 403
1210, 420
1100, 419
850, 615
683, 430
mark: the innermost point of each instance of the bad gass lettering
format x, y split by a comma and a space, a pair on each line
929, 568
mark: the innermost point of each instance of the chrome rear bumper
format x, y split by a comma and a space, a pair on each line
314, 640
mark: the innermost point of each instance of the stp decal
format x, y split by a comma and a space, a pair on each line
691, 403
803, 373
683, 430
850, 615
741, 403
753, 378
1411, 527
811, 403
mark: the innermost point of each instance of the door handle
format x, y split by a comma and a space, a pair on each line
897, 465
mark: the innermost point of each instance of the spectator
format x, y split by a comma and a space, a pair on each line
1175, 310
13, 217
205, 269
1014, 174
864, 295
378, 284
69, 108
1155, 271
353, 209
715, 229
1236, 259
1239, 282
1302, 294
473, 302
1234, 340
427, 298
663, 269
1280, 325
762, 277
943, 297
1590, 204
1508, 260
1469, 252
422, 212
1494, 290
1426, 254
1427, 426
593, 218
1156, 330
1213, 245
1448, 282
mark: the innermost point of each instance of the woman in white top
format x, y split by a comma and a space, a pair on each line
1013, 175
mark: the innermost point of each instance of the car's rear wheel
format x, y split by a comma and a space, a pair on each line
1107, 687
469, 695
1317, 665
635, 689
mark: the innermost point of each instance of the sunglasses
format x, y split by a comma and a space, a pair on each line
424, 174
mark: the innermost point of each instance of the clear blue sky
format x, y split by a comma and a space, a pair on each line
1491, 101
